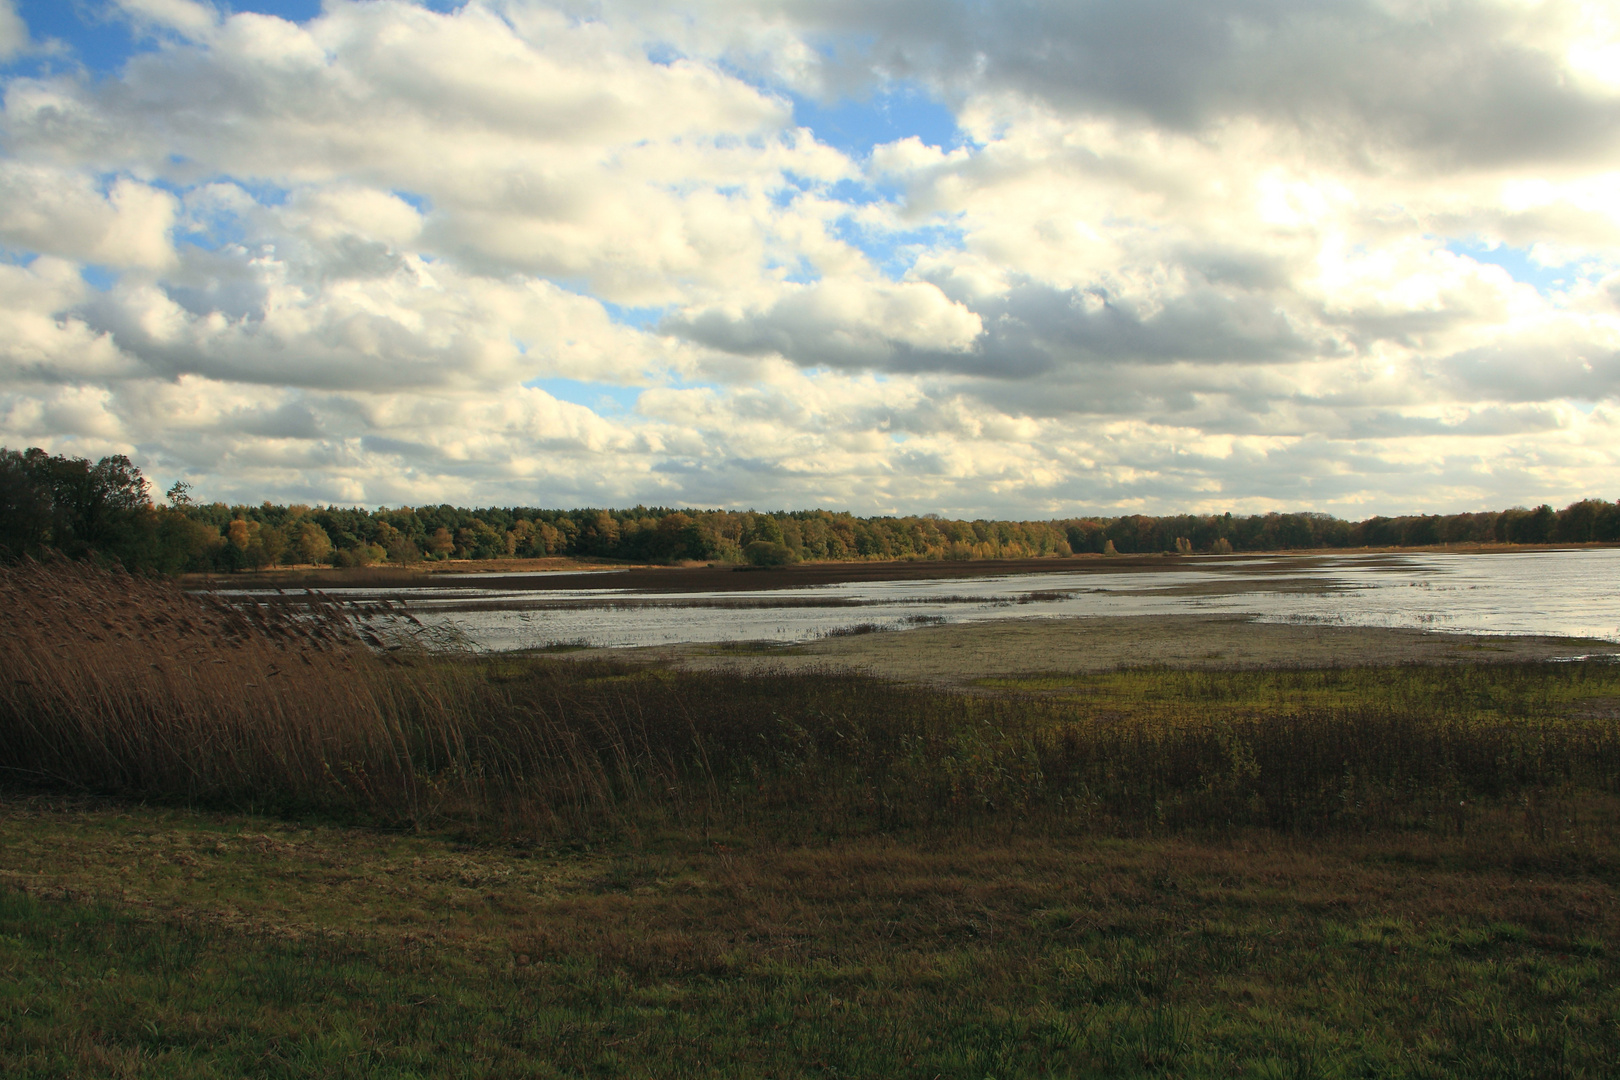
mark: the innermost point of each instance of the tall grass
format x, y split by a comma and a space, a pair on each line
130, 686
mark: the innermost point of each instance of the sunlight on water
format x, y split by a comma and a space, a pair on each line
1559, 593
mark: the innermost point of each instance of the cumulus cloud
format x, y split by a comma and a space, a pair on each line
13, 31
49, 210
39, 346
842, 323
1248, 254
187, 17
543, 145
1457, 83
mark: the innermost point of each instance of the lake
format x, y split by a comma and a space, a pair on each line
1559, 593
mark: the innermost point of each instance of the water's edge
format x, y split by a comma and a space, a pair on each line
1549, 593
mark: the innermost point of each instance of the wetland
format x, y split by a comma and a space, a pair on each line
1233, 835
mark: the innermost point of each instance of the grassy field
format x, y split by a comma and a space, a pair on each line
139, 942
243, 844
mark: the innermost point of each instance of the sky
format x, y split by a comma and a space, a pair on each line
1004, 258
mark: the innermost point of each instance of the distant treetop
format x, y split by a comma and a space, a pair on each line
103, 510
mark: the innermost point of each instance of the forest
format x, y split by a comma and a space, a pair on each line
80, 508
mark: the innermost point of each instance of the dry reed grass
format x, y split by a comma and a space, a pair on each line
132, 687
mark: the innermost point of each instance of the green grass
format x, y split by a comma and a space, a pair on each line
966, 954
1483, 691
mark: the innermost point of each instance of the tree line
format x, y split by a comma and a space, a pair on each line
69, 505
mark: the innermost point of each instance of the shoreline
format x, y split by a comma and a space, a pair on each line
556, 573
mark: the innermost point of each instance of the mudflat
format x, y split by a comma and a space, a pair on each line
963, 653
557, 573
541, 575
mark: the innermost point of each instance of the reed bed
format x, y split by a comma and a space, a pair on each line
129, 686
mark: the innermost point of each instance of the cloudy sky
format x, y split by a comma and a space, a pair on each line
1020, 258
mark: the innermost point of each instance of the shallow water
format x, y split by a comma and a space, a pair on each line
1558, 593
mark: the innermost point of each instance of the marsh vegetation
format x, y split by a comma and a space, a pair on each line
130, 687
244, 840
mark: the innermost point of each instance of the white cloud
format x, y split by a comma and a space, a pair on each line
36, 345
1188, 256
363, 318
62, 212
187, 17
842, 322
543, 145
1448, 84
13, 31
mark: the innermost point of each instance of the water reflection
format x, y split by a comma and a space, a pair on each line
1570, 593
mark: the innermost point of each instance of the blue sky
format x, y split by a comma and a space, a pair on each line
102, 39
1521, 263
883, 115
1035, 258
